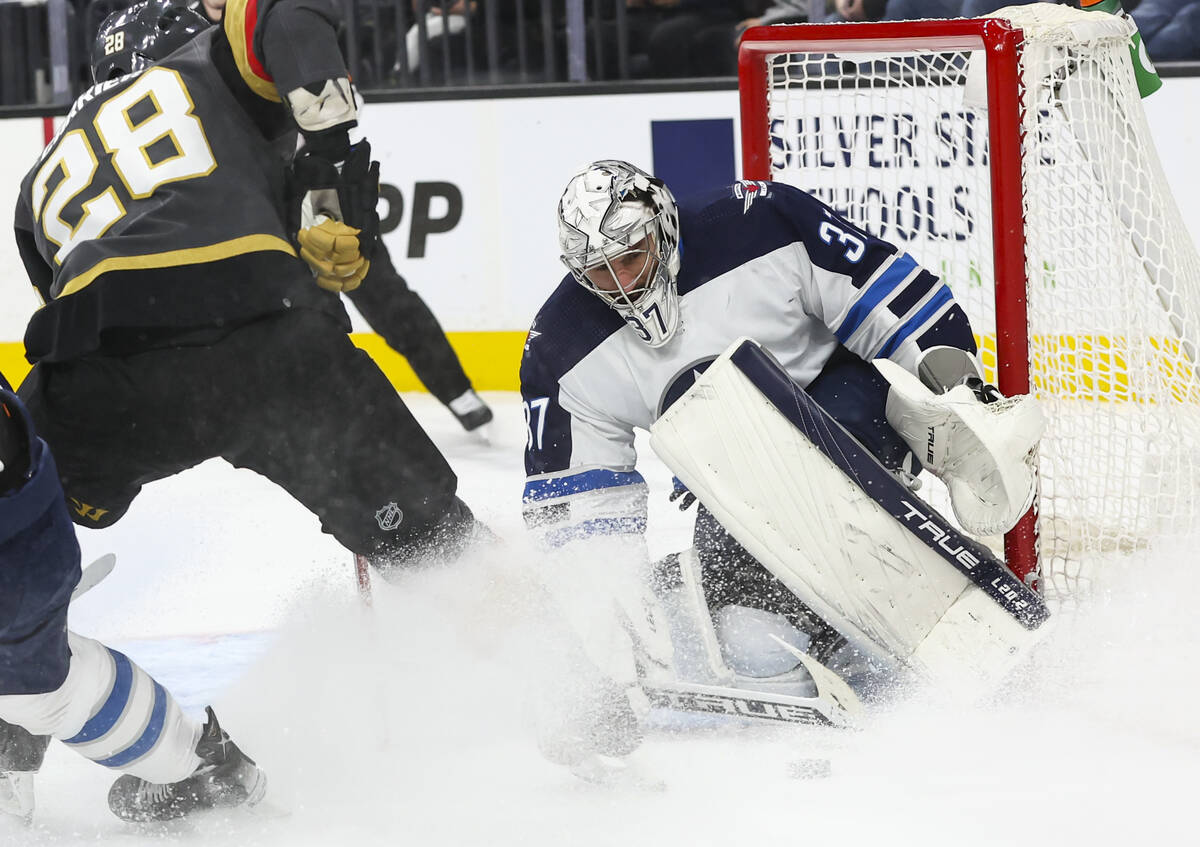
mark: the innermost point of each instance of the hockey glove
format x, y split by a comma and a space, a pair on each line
680, 493
346, 193
332, 250
981, 444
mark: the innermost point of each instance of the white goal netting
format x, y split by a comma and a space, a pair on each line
897, 139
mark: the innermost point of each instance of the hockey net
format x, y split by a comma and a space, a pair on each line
1011, 155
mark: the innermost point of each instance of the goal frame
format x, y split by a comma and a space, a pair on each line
1000, 44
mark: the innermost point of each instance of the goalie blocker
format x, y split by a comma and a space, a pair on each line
840, 531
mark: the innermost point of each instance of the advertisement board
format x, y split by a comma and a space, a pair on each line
470, 189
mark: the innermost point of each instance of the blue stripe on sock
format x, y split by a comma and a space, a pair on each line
113, 707
149, 736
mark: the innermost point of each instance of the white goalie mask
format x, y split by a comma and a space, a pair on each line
618, 229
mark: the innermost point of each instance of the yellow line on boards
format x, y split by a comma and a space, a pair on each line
12, 361
1084, 367
491, 359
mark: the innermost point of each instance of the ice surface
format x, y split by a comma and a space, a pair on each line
407, 724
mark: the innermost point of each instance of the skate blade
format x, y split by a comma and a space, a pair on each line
261, 806
16, 797
482, 434
256, 804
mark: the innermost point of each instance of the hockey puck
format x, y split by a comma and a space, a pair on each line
810, 769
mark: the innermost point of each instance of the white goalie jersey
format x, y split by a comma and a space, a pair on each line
762, 260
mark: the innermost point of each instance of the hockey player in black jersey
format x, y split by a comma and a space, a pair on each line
406, 323
178, 322
655, 294
403, 319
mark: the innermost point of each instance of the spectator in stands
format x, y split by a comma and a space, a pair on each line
695, 40
642, 17
1170, 28
983, 8
214, 10
445, 29
778, 12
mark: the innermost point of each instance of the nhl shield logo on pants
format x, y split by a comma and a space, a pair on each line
389, 517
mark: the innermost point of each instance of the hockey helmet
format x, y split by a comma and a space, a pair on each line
137, 37
618, 229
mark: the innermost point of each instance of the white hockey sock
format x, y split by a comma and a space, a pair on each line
111, 711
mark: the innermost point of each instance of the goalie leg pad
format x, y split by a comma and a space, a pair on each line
818, 511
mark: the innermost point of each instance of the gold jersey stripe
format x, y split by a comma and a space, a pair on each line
175, 258
240, 37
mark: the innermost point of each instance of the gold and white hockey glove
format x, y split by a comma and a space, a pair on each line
331, 249
331, 209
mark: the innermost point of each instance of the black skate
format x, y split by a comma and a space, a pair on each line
470, 410
226, 777
21, 755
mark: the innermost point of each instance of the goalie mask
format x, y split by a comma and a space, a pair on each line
618, 229
137, 37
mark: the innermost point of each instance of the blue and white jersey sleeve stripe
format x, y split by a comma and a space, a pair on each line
896, 306
561, 509
876, 300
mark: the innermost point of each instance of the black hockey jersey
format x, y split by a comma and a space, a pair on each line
157, 212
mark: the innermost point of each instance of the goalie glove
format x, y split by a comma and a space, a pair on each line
332, 211
979, 443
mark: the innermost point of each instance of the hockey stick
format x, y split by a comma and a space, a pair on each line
94, 574
740, 703
835, 705
362, 577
